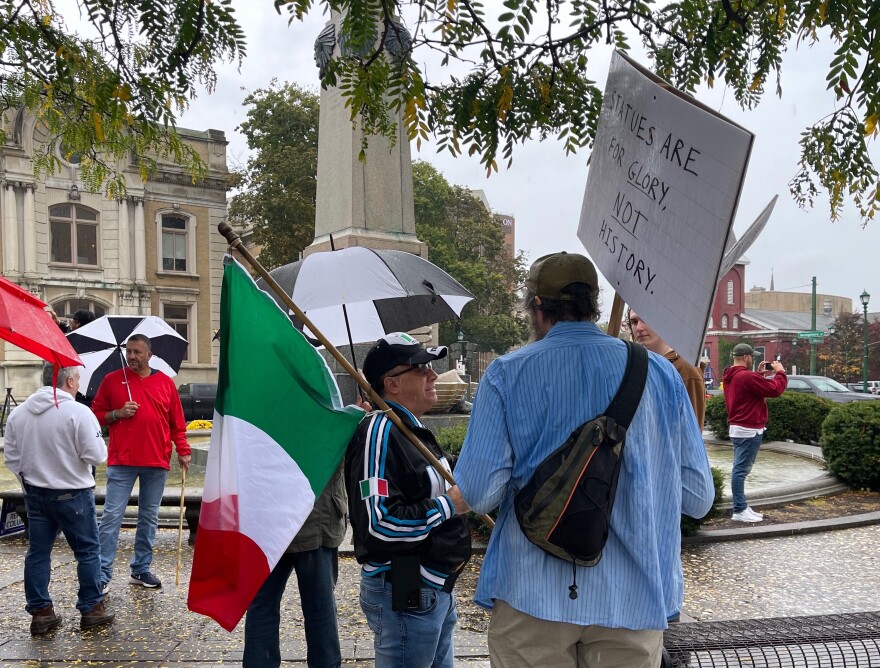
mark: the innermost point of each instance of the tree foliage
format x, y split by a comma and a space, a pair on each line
277, 196
116, 91
466, 241
842, 354
519, 70
278, 185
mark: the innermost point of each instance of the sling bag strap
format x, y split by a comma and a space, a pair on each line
625, 403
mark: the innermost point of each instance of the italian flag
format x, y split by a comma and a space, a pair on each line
279, 433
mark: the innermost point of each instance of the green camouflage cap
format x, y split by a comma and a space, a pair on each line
550, 274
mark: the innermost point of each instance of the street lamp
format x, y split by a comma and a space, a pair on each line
832, 330
865, 298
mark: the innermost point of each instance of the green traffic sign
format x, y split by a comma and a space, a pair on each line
812, 335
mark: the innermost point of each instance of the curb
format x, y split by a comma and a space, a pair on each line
777, 530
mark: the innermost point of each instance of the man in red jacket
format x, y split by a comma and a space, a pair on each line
745, 393
143, 410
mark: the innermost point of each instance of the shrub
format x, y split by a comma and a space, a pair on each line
851, 443
797, 417
690, 525
450, 439
716, 416
793, 416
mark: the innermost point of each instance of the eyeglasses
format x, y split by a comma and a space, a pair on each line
422, 370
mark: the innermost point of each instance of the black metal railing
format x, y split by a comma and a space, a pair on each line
823, 641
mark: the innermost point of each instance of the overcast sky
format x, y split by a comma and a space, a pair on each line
544, 187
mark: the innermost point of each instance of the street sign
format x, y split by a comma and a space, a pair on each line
812, 335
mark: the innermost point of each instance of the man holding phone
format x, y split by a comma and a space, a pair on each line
745, 394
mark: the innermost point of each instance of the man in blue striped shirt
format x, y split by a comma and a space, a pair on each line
528, 403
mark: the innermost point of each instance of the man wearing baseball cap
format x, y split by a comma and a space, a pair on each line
528, 403
745, 394
411, 535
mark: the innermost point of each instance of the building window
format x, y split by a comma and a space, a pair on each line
177, 316
724, 321
730, 291
736, 322
711, 322
68, 307
74, 235
174, 243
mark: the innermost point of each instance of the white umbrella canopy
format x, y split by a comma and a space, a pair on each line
101, 346
383, 291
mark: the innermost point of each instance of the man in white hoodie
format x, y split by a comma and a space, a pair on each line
51, 444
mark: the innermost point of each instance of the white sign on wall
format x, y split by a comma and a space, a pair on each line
662, 190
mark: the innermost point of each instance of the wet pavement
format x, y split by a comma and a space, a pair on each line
822, 573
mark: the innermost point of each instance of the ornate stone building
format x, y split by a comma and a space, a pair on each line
155, 251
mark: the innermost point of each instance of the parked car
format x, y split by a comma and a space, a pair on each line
873, 386
827, 389
197, 400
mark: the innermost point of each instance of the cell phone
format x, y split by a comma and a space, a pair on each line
767, 365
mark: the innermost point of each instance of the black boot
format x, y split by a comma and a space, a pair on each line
44, 621
97, 616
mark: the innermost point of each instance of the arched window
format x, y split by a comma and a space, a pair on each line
724, 321
711, 322
67, 307
736, 322
74, 235
730, 291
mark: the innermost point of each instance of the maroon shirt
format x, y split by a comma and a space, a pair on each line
745, 392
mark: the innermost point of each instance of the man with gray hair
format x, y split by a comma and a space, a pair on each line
51, 444
528, 403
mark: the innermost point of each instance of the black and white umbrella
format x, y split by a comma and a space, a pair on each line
101, 346
382, 291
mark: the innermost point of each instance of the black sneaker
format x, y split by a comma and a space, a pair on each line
105, 588
147, 580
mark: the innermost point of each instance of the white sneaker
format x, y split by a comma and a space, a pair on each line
747, 515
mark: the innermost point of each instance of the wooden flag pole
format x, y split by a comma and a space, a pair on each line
235, 242
180, 525
616, 316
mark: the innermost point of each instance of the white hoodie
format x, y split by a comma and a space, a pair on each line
54, 447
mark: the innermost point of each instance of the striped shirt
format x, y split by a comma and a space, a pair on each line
527, 404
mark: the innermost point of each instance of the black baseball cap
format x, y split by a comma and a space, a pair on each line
83, 316
395, 349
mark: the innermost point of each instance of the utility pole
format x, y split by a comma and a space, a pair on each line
813, 329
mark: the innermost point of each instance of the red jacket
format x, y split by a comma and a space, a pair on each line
744, 394
145, 438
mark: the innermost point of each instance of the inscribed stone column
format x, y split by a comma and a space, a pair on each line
367, 203
140, 242
124, 242
30, 232
10, 233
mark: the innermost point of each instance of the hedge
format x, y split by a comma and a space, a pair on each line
690, 525
851, 443
794, 416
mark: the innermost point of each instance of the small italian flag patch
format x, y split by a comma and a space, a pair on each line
374, 487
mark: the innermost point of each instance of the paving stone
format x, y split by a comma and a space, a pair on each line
820, 573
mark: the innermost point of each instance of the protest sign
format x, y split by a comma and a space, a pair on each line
662, 190
732, 256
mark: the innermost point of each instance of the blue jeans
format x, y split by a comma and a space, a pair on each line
316, 573
413, 638
120, 482
745, 451
72, 511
